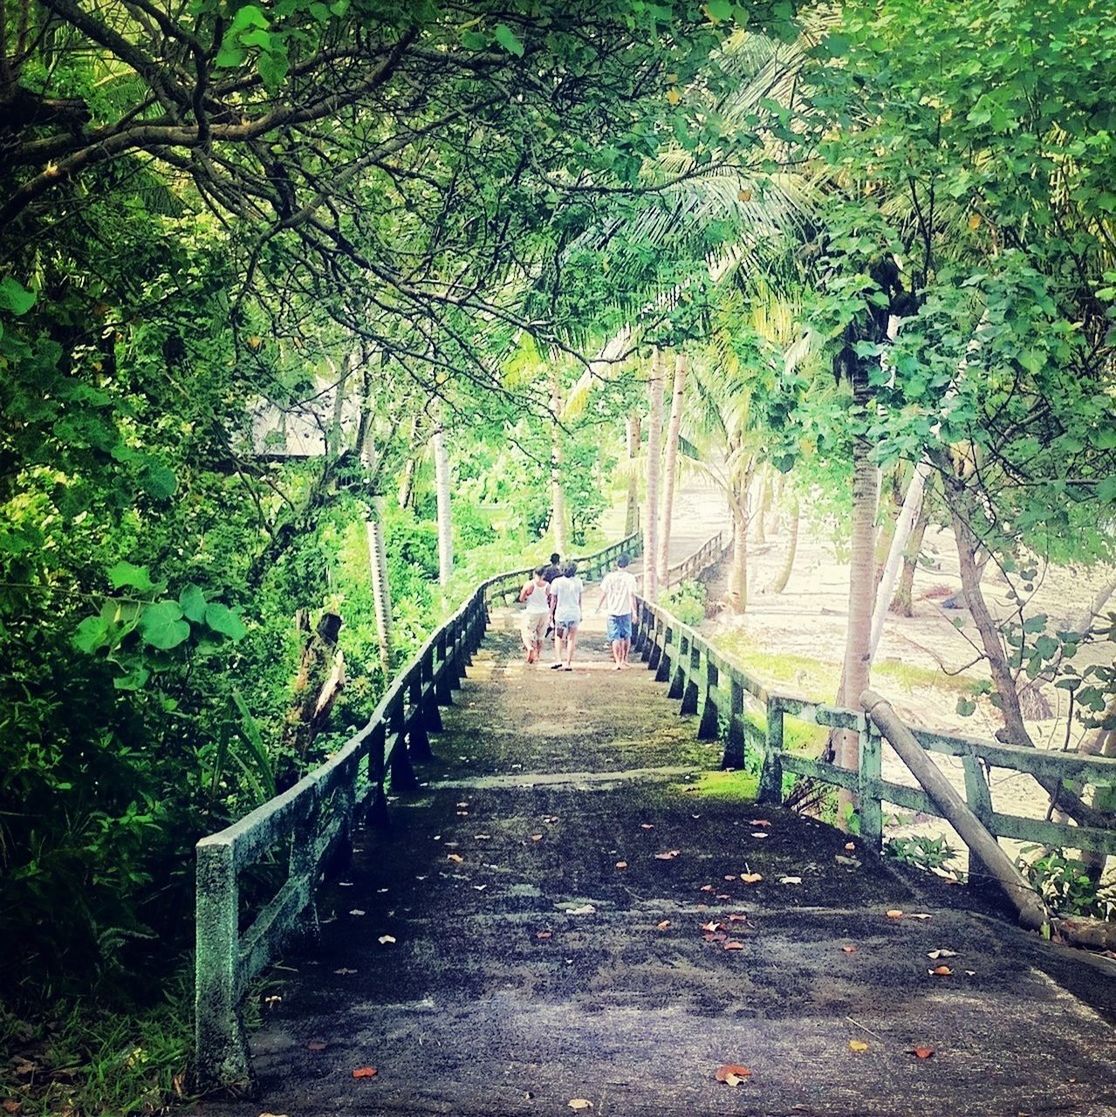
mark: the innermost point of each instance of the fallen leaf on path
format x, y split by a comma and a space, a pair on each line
751, 878
711, 926
317, 1045
543, 934
940, 953
716, 936
365, 1072
722, 896
344, 884
536, 837
10, 1105
621, 864
894, 913
16, 1110
790, 880
970, 973
736, 917
646, 826
274, 999
356, 911
663, 926
732, 1074
941, 971
463, 804
550, 818
386, 940
579, 1103
344, 970
758, 834
857, 1045
841, 859
919, 915
480, 887
759, 822
732, 944
462, 814
668, 855
729, 876
482, 837
921, 1052
708, 887
585, 909
456, 858
848, 949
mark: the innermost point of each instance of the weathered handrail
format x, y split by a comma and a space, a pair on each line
313, 822
714, 689
706, 555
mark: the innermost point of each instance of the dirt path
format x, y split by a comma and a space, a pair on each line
545, 896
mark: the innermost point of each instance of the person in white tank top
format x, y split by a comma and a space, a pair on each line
536, 615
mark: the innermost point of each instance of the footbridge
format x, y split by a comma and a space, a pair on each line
525, 891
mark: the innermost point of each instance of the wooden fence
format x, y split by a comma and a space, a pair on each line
311, 824
717, 692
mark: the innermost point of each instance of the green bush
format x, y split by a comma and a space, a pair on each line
686, 601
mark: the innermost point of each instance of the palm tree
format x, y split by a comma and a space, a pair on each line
442, 491
670, 470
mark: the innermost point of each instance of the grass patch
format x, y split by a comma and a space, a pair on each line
796, 674
735, 787
84, 1061
919, 678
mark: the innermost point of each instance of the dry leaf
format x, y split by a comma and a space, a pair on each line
663, 926
715, 936
751, 878
386, 939
356, 911
850, 846
646, 826
11, 1105
274, 999
482, 837
732, 944
974, 220
790, 880
893, 913
317, 1045
543, 934
365, 1072
850, 949
709, 887
462, 804
456, 858
732, 1071
579, 1103
922, 1052
857, 1045
736, 917
343, 970
759, 822
919, 915
758, 834
711, 926
344, 884
16, 1110
668, 855
941, 971
585, 909
536, 837
942, 954
722, 896
744, 195
621, 864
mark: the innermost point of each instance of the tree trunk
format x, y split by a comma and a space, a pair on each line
780, 582
631, 514
557, 495
1101, 742
442, 490
381, 589
407, 481
651, 515
671, 468
902, 604
862, 584
900, 537
763, 504
321, 675
738, 572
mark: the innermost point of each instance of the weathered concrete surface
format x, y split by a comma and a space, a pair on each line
497, 997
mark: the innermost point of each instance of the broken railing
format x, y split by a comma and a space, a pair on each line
310, 825
726, 701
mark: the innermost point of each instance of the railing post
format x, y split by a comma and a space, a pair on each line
431, 715
771, 774
222, 1053
980, 803
418, 740
689, 662
442, 669
403, 779
736, 742
870, 772
377, 815
709, 729
662, 672
302, 862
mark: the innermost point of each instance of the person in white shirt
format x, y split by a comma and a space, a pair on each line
536, 615
618, 599
565, 598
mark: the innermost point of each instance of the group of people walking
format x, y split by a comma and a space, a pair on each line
552, 604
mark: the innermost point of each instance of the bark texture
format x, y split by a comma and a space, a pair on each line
654, 443
670, 469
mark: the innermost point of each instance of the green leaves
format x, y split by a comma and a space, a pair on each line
124, 574
221, 619
14, 297
507, 38
163, 626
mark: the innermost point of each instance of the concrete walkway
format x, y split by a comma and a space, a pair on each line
564, 913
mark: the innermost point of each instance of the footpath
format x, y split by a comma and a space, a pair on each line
566, 919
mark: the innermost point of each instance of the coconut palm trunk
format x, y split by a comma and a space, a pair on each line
902, 604
670, 475
738, 572
862, 581
557, 494
442, 491
780, 583
381, 590
631, 514
654, 444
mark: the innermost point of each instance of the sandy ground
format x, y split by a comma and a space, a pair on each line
809, 618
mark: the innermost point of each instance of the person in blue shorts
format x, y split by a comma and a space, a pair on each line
618, 599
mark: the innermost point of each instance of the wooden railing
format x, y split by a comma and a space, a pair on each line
717, 692
311, 824
693, 566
